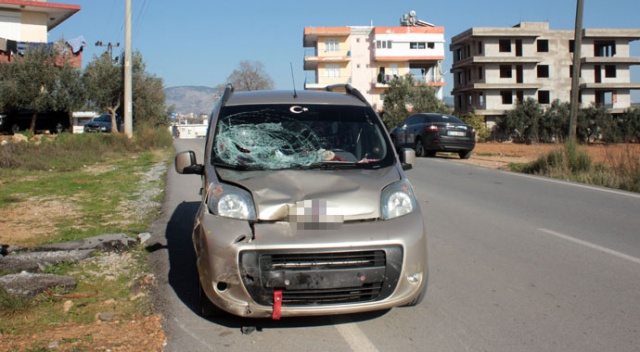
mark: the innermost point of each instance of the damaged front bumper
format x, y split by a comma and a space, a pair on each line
276, 269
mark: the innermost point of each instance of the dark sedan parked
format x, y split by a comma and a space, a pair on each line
429, 133
101, 123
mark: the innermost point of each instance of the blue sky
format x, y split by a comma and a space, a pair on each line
200, 42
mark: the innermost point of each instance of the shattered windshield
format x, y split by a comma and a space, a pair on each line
299, 136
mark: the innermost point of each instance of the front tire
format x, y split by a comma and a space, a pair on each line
465, 155
419, 147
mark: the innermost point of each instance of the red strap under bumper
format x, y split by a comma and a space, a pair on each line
277, 304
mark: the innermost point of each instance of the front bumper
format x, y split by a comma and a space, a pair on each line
358, 267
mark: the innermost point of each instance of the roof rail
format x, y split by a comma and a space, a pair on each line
349, 89
228, 90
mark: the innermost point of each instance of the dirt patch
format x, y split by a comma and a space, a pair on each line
32, 220
139, 334
500, 155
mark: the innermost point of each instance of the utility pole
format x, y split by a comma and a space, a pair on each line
110, 47
128, 105
575, 81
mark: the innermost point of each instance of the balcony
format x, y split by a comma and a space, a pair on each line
311, 62
474, 60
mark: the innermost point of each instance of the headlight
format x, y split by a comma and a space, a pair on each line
397, 200
231, 202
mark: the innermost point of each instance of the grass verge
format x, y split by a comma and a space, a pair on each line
72, 187
571, 163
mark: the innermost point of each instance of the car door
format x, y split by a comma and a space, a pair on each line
415, 127
402, 135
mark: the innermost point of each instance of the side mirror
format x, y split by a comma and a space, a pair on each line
407, 158
185, 163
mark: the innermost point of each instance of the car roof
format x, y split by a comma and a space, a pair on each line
261, 97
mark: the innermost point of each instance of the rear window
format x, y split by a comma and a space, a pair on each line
293, 136
445, 119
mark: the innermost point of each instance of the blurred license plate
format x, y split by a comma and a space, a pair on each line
455, 133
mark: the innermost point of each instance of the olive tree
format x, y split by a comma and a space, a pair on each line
149, 98
29, 82
104, 83
404, 96
629, 124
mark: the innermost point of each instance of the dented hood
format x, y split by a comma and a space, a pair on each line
352, 193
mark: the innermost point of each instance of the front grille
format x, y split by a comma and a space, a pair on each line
316, 278
302, 261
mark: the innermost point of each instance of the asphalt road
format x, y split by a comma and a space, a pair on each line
518, 263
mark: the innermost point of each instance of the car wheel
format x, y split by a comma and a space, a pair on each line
465, 155
15, 129
419, 147
205, 307
59, 128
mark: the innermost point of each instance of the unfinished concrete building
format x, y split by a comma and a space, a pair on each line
495, 68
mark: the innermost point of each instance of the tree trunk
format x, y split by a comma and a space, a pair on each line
32, 127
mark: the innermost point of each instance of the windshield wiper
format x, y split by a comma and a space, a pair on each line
327, 165
238, 167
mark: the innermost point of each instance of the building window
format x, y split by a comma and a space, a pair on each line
507, 97
479, 47
543, 46
543, 71
505, 45
417, 45
544, 97
480, 73
431, 45
572, 45
331, 45
332, 71
610, 71
505, 71
383, 44
604, 48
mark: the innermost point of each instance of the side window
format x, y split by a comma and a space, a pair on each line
412, 120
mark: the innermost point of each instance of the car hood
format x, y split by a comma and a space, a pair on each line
352, 194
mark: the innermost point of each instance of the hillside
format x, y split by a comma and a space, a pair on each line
191, 99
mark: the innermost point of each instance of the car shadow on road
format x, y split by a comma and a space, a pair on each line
183, 280
183, 274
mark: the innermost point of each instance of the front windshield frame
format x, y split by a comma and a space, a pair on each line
299, 136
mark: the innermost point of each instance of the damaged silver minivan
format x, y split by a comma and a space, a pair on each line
306, 209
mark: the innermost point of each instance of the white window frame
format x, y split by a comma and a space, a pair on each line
332, 71
331, 45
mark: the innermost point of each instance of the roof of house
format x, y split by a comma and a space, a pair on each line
56, 13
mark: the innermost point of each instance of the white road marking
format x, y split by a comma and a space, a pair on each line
578, 185
592, 246
553, 180
356, 339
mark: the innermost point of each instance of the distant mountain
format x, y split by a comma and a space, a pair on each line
191, 99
